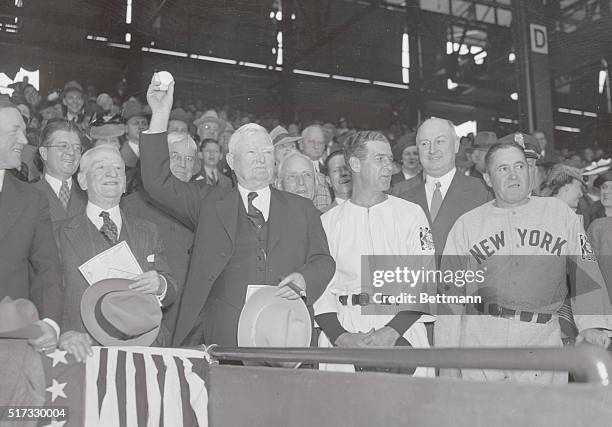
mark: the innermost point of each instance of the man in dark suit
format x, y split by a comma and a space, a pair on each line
444, 195
249, 235
135, 118
60, 150
29, 266
100, 227
177, 238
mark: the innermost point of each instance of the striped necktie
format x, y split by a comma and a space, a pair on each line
64, 194
253, 213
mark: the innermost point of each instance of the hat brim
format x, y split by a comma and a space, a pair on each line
596, 171
255, 305
28, 332
222, 123
287, 140
89, 300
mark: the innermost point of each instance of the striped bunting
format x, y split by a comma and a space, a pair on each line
145, 386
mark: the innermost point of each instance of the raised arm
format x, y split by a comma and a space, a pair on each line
179, 199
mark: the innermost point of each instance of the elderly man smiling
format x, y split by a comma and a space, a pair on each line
249, 235
296, 175
101, 226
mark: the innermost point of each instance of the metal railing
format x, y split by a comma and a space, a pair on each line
585, 362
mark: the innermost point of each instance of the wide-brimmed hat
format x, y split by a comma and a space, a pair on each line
595, 168
604, 177
211, 116
404, 142
17, 319
114, 315
103, 127
279, 135
268, 320
483, 140
133, 108
529, 143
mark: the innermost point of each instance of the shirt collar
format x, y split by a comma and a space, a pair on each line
210, 171
2, 172
93, 213
445, 180
135, 148
261, 202
56, 184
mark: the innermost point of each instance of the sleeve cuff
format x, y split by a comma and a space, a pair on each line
161, 297
403, 320
54, 325
331, 326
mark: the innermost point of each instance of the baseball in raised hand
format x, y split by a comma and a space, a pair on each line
160, 93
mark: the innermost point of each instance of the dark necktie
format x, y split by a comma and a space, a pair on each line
109, 228
253, 213
436, 202
22, 173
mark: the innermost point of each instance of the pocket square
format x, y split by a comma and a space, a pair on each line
151, 258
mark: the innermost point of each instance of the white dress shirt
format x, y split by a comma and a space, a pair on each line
261, 202
93, 213
135, 148
2, 172
445, 182
56, 184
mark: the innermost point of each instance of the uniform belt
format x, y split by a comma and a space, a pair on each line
496, 310
361, 299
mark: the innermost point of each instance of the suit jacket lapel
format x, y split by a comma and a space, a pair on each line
79, 235
227, 211
453, 201
78, 199
276, 224
11, 205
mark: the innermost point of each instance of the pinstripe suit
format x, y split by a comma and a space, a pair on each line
79, 241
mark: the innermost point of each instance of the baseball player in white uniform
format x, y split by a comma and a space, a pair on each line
526, 246
373, 223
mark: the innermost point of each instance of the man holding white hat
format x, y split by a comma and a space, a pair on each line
248, 235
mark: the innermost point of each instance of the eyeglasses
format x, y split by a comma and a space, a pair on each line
64, 147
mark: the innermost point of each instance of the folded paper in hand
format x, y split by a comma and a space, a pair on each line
117, 262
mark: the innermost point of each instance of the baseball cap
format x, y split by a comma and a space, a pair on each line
529, 143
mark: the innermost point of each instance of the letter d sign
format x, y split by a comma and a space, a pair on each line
539, 39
